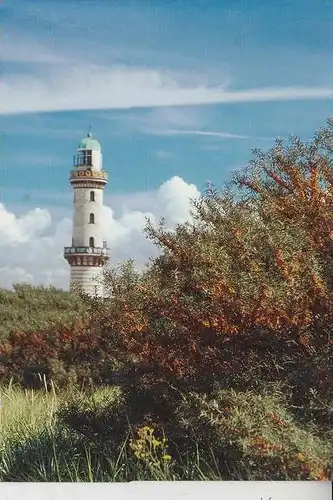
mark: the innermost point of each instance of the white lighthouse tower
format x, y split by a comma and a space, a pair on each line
88, 252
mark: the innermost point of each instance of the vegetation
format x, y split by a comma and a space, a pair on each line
75, 436
29, 309
213, 363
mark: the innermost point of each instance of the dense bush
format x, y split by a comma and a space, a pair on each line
253, 434
54, 352
243, 292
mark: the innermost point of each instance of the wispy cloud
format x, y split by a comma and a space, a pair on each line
155, 120
84, 88
25, 50
206, 133
163, 155
170, 117
30, 159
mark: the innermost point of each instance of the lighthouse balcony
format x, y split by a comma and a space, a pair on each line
85, 251
88, 174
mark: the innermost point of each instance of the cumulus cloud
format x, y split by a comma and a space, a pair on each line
173, 196
95, 87
31, 246
15, 230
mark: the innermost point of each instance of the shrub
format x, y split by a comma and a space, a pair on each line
99, 416
244, 290
64, 355
28, 308
253, 436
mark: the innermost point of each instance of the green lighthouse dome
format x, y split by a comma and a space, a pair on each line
89, 143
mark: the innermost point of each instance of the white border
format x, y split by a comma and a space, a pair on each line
228, 490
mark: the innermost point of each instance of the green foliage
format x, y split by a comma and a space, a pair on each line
24, 413
72, 437
27, 308
38, 443
254, 435
98, 415
64, 355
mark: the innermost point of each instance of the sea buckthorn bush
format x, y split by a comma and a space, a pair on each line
254, 435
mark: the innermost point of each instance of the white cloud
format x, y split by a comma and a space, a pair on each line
173, 196
204, 133
161, 121
156, 120
163, 154
26, 50
31, 245
95, 87
10, 275
15, 230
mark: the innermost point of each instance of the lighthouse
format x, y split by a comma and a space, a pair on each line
88, 253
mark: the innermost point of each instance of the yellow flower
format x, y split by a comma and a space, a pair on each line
156, 443
301, 456
166, 457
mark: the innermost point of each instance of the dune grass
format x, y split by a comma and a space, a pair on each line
69, 436
36, 447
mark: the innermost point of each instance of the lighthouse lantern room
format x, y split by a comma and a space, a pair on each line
88, 253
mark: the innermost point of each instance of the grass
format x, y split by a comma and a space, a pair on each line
24, 412
35, 446
51, 436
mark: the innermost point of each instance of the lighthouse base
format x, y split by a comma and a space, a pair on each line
89, 278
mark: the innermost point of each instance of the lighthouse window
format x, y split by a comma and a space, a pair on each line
91, 219
91, 242
92, 195
88, 158
83, 158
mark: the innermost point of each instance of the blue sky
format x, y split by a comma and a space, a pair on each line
172, 89
145, 47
